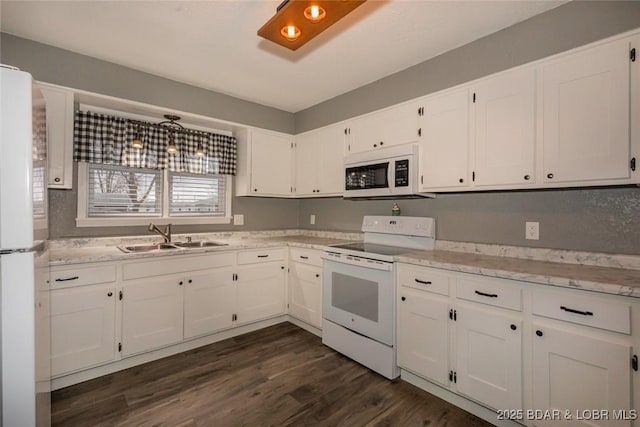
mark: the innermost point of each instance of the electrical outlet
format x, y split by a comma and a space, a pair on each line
312, 219
532, 230
238, 219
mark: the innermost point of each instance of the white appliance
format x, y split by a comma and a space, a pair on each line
358, 289
384, 172
24, 271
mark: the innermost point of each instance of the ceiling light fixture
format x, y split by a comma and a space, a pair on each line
172, 122
298, 21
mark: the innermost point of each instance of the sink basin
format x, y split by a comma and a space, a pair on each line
198, 244
147, 248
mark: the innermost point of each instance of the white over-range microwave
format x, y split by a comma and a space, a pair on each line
391, 171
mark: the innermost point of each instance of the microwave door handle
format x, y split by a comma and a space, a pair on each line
390, 183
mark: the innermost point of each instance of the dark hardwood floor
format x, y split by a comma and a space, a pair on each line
280, 376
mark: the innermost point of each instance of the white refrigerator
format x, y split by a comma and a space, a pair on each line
24, 271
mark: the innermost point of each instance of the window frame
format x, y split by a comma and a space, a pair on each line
83, 220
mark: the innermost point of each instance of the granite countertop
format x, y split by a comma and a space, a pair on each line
70, 254
618, 281
606, 273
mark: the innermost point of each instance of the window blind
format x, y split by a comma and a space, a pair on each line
196, 195
124, 191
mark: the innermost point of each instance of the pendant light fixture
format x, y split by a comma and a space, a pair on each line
171, 122
298, 21
137, 142
200, 149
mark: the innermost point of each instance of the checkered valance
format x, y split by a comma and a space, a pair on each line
105, 139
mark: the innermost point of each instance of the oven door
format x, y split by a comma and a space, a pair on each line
360, 299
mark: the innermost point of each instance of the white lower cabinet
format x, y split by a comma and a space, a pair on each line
260, 291
305, 286
152, 314
423, 334
83, 327
489, 362
575, 371
209, 299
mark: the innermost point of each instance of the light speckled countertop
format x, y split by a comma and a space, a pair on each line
606, 273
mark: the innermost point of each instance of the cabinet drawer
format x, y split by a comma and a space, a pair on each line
80, 276
307, 256
425, 279
176, 264
584, 310
261, 255
497, 292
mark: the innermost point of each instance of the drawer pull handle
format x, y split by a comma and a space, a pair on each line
487, 295
110, 294
571, 310
423, 282
539, 333
67, 279
263, 256
304, 257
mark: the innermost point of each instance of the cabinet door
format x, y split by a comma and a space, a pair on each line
392, 126
331, 154
489, 367
209, 300
505, 129
307, 164
83, 325
59, 135
271, 164
575, 372
151, 314
305, 293
444, 148
423, 337
586, 115
260, 291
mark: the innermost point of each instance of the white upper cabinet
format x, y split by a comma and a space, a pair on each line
391, 126
444, 147
585, 111
59, 135
319, 162
504, 110
265, 164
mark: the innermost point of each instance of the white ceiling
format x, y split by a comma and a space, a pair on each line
214, 45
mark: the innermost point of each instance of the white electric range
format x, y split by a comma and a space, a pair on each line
358, 289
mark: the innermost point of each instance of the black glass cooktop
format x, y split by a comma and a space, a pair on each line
373, 248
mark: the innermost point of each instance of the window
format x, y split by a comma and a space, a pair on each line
191, 195
120, 195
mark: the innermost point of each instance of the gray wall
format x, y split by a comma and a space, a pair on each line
563, 28
599, 220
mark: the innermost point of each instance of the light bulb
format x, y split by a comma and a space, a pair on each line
314, 13
290, 32
199, 151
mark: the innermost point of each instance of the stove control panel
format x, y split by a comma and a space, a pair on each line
404, 225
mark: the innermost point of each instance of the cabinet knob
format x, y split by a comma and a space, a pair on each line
255, 189
550, 175
539, 333
180, 283
282, 267
461, 180
527, 177
375, 145
190, 281
381, 143
110, 294
513, 327
317, 275
56, 179
403, 298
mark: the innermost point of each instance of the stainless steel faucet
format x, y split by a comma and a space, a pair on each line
166, 234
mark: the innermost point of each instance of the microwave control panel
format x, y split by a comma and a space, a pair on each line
401, 173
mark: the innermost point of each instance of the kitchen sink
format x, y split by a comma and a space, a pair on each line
198, 244
148, 248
